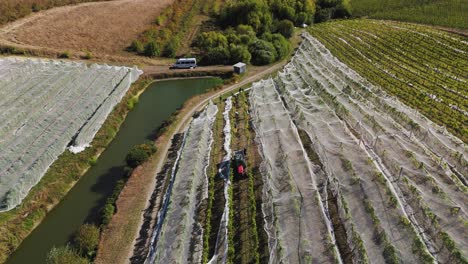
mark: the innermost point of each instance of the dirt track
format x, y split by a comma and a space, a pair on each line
100, 27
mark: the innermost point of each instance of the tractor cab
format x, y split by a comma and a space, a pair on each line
238, 163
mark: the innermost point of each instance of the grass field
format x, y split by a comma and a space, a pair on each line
11, 10
107, 27
449, 13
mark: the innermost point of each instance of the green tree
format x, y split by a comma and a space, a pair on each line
343, 9
62, 255
218, 55
87, 239
254, 13
210, 40
263, 52
245, 30
139, 154
286, 28
282, 45
239, 54
170, 49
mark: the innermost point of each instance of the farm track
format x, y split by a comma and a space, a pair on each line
380, 188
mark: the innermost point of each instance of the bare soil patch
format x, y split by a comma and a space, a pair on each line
100, 27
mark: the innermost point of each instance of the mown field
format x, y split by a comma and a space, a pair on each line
449, 13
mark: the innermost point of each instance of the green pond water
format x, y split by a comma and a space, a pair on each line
84, 201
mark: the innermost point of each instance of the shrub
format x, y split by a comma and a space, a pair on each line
88, 55
170, 49
63, 255
286, 28
64, 55
139, 154
107, 213
87, 239
152, 49
211, 39
132, 102
137, 47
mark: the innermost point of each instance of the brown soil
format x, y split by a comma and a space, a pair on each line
100, 27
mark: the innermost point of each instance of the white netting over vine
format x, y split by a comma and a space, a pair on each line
295, 220
385, 160
180, 237
222, 244
44, 106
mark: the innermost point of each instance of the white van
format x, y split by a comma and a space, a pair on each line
185, 63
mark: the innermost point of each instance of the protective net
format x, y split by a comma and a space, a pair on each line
295, 220
45, 106
221, 247
180, 235
384, 160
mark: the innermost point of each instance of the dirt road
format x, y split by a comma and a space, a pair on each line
99, 27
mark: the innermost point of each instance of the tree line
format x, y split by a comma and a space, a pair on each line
257, 31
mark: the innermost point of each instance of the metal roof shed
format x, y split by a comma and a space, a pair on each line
240, 67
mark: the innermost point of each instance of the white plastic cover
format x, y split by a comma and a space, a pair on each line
45, 106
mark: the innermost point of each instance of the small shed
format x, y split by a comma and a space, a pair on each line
240, 67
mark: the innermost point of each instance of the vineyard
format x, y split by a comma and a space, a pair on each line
424, 68
449, 13
47, 107
344, 162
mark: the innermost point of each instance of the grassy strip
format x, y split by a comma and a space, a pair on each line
16, 224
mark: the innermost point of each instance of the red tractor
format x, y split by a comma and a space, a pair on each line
238, 162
